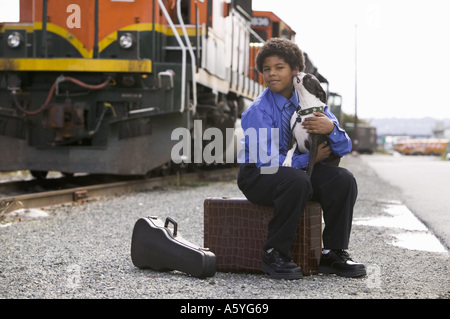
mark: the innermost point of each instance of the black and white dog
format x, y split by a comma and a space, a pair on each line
312, 98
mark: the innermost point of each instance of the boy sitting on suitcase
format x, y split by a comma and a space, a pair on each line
288, 189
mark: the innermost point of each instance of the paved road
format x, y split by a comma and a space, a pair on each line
424, 181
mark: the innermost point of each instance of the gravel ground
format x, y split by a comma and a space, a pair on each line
84, 252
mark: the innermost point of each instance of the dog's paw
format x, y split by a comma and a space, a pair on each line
288, 160
287, 163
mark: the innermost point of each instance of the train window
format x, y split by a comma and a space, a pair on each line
185, 11
286, 34
275, 29
244, 6
172, 10
334, 99
261, 33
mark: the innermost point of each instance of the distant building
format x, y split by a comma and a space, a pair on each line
441, 130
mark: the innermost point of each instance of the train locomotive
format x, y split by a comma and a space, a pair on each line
99, 86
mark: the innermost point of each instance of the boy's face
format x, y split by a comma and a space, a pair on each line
278, 75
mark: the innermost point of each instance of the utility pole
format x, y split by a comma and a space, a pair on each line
355, 126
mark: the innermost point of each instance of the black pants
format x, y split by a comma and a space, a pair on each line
288, 190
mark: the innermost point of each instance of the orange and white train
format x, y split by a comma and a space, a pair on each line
98, 86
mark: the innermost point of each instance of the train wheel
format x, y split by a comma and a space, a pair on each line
39, 174
164, 170
180, 168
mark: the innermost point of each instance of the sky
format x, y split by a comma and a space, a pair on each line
402, 52
397, 52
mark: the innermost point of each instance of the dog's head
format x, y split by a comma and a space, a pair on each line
307, 84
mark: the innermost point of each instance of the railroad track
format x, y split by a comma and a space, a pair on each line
82, 194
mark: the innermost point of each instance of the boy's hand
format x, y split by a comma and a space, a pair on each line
318, 124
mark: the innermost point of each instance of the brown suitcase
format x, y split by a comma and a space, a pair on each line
235, 231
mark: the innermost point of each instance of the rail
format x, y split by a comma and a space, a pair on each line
92, 192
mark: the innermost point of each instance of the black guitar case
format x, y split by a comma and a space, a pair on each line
155, 246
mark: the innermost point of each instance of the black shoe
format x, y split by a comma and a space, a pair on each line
339, 262
278, 266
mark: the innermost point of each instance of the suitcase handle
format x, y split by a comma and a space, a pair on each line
175, 225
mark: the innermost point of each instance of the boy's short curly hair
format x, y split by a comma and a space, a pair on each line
285, 49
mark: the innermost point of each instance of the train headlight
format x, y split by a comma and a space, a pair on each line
127, 41
14, 40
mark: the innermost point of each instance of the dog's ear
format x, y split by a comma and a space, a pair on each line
312, 85
322, 95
